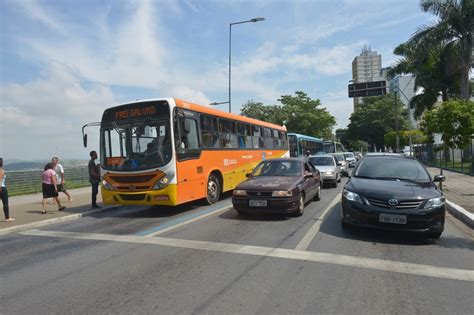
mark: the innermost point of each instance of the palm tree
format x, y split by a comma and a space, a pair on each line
454, 28
435, 72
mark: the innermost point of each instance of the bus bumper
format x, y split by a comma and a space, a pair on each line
164, 197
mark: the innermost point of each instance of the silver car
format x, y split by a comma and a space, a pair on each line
350, 158
328, 167
344, 166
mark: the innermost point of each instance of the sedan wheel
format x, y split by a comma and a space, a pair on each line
300, 210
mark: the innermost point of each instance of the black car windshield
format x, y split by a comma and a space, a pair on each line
392, 168
322, 161
278, 168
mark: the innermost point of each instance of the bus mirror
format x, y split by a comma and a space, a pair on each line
84, 139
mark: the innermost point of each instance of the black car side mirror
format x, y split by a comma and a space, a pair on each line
339, 164
248, 175
439, 178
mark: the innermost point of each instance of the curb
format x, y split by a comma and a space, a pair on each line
33, 225
460, 213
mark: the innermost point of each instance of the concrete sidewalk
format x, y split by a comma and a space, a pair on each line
459, 190
26, 210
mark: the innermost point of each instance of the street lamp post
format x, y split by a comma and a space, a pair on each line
230, 50
409, 118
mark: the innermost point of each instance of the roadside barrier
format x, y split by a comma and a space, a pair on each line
30, 181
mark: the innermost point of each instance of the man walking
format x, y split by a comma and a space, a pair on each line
94, 178
58, 168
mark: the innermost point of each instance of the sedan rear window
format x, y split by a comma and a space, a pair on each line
322, 161
392, 168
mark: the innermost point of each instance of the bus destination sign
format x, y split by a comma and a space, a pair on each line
135, 112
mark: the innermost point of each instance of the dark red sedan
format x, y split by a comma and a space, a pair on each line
279, 186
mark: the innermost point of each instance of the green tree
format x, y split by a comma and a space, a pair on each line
454, 120
374, 118
298, 113
391, 139
435, 73
454, 28
306, 116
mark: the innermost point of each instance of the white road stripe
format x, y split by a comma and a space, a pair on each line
188, 221
359, 262
309, 236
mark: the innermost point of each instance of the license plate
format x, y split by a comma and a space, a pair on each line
257, 203
393, 218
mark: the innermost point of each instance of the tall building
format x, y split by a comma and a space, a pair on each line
404, 86
367, 67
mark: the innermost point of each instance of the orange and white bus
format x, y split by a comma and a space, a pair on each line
169, 151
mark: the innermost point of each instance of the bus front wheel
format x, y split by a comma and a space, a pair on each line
213, 189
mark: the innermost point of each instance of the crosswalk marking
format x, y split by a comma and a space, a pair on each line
343, 260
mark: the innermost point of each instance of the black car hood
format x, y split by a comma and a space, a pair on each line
398, 189
269, 183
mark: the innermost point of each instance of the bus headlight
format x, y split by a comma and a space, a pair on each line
163, 182
107, 185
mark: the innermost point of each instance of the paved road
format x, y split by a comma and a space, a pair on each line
208, 259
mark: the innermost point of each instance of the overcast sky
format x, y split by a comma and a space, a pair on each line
63, 62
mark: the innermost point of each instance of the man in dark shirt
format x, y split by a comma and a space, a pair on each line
94, 179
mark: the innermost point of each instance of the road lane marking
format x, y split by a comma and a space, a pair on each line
309, 236
343, 260
182, 221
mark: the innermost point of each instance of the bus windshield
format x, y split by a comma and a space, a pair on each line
135, 146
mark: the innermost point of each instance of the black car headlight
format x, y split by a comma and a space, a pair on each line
434, 202
351, 196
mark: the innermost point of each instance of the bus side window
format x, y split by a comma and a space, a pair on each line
228, 134
209, 132
257, 137
244, 133
267, 138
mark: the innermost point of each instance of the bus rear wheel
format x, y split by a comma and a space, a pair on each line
213, 189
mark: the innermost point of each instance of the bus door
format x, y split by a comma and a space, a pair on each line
189, 168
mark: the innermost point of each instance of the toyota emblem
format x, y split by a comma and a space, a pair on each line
393, 202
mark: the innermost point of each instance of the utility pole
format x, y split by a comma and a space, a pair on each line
396, 121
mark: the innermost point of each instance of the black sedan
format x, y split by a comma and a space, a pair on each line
278, 186
393, 192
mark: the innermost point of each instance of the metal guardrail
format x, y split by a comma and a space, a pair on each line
30, 181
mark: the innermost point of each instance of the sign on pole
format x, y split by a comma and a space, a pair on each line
374, 88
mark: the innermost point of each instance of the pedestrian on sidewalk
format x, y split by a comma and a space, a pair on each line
58, 168
94, 178
4, 193
50, 187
